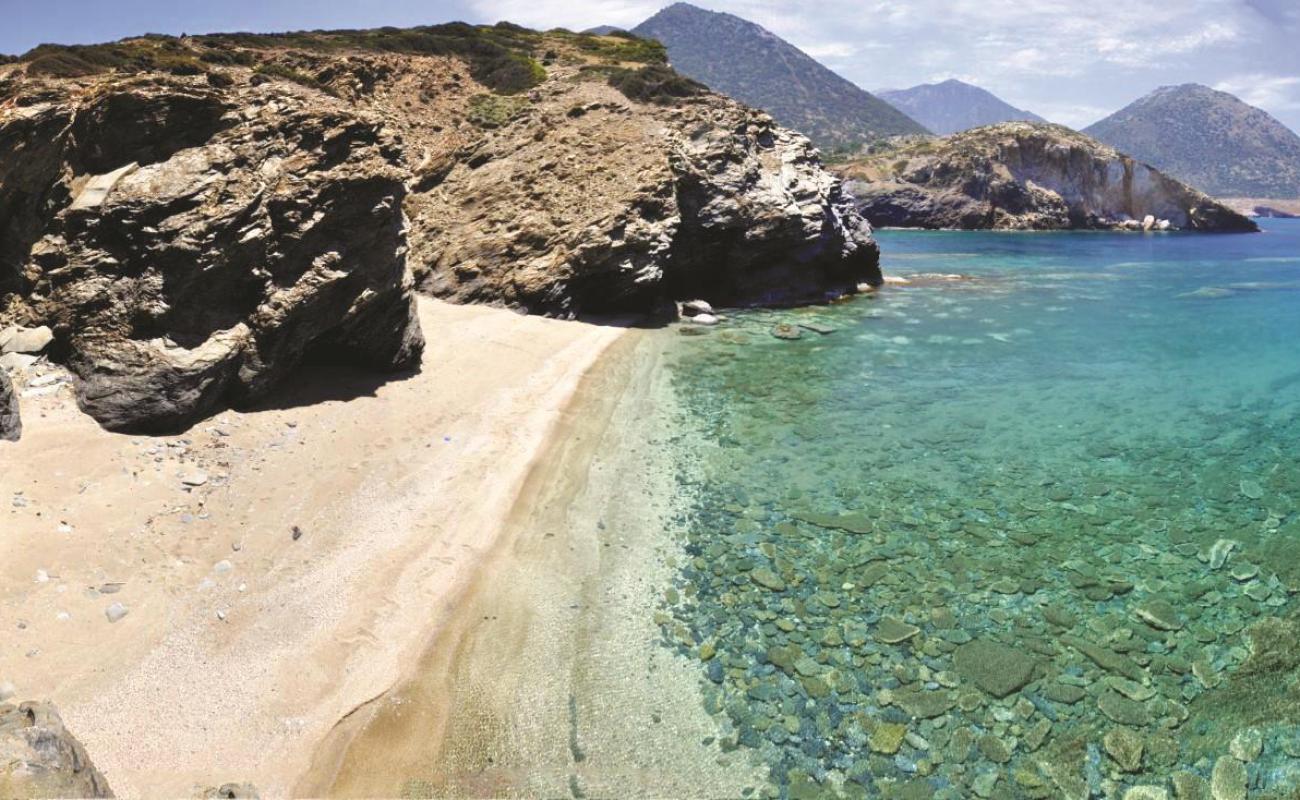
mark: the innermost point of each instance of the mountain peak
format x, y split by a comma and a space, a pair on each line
953, 105
1209, 138
755, 66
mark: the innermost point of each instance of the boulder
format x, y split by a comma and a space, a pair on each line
17, 339
208, 243
994, 667
40, 758
11, 426
692, 308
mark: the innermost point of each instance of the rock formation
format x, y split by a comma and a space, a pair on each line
588, 202
202, 215
11, 426
1031, 176
196, 244
39, 758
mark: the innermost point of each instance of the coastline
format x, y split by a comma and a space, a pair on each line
551, 679
244, 644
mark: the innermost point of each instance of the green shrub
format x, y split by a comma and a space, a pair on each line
153, 54
493, 111
274, 70
655, 83
499, 56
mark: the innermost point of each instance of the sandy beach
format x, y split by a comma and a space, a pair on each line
552, 679
279, 568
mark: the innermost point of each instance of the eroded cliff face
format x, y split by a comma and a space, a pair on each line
587, 202
196, 244
192, 238
1021, 175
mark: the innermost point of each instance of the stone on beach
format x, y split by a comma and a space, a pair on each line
29, 341
40, 758
11, 426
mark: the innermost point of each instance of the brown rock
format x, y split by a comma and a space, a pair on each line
39, 758
11, 426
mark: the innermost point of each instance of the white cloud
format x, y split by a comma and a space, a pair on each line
1275, 93
573, 14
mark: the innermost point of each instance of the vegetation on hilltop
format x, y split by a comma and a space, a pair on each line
506, 58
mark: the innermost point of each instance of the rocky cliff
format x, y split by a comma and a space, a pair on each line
1031, 176
196, 217
39, 758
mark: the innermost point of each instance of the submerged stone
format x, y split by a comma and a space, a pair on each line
995, 668
1228, 780
1120, 709
767, 579
887, 737
894, 631
1159, 614
1125, 747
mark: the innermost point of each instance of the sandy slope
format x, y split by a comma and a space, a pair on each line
243, 646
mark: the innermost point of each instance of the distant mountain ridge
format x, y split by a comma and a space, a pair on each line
952, 106
757, 67
1209, 139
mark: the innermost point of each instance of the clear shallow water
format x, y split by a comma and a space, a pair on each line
1027, 534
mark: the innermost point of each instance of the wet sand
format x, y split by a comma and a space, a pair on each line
549, 679
244, 645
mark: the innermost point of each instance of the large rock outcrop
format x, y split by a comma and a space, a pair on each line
588, 202
11, 426
39, 758
1022, 175
196, 244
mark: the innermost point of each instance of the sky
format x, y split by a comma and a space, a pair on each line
1072, 61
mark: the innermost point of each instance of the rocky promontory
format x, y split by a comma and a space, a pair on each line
195, 217
1026, 176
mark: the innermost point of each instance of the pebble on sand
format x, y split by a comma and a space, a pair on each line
115, 612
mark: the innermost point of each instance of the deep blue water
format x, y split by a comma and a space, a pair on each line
995, 533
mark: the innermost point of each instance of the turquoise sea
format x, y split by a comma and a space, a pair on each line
1027, 532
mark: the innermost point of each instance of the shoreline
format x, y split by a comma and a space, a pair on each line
551, 679
244, 645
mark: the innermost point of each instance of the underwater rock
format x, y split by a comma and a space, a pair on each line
784, 330
1119, 708
1219, 552
995, 668
767, 579
1228, 780
1159, 614
894, 631
887, 737
1247, 745
1125, 747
